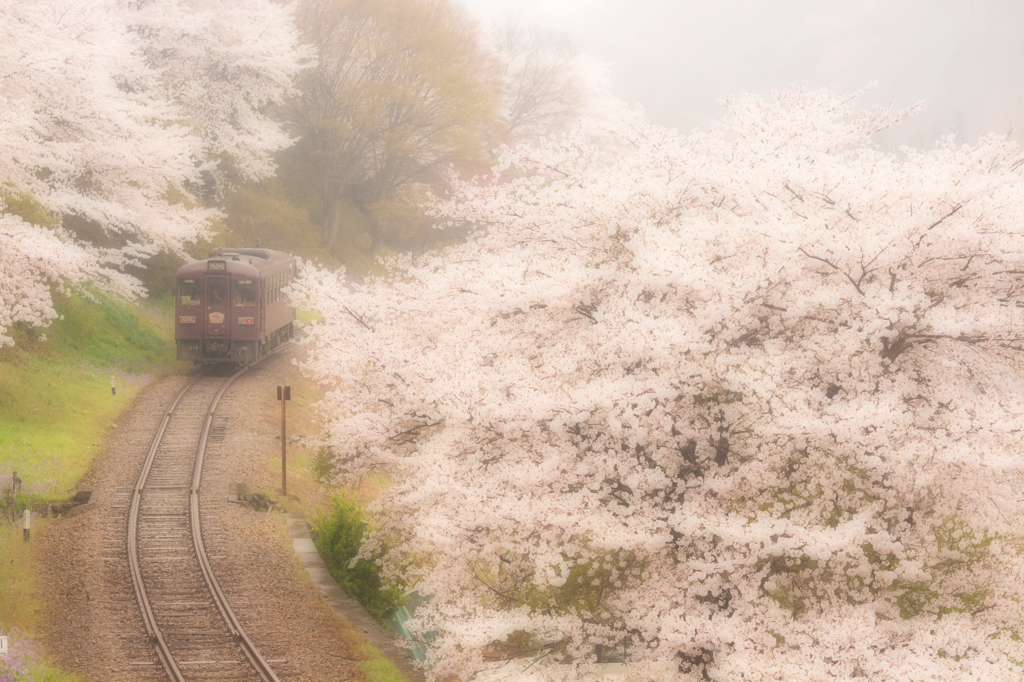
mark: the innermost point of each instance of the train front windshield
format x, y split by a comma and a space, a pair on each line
216, 290
189, 292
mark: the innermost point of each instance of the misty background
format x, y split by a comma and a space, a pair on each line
678, 59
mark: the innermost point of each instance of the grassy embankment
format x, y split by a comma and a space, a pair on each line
55, 408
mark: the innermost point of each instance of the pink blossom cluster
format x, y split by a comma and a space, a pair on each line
115, 112
744, 403
224, 63
32, 260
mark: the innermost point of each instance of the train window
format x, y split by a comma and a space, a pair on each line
244, 292
188, 292
216, 290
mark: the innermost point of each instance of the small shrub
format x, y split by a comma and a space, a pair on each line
338, 538
323, 466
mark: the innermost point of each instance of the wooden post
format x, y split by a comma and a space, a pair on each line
284, 395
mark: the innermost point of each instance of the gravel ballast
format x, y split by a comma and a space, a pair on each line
93, 627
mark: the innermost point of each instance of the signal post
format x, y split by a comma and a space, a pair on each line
284, 393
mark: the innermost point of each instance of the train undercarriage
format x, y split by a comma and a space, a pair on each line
212, 351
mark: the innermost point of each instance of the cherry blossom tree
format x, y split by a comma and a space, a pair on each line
32, 260
737, 405
76, 137
112, 142
224, 63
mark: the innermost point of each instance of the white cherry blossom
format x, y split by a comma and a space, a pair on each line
741, 402
107, 123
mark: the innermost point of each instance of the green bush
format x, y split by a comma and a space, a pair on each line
323, 466
338, 538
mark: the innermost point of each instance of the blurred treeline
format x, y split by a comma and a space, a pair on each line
399, 91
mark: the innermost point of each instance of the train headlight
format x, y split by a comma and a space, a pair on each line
187, 319
245, 320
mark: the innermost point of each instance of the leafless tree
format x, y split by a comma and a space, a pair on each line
543, 88
400, 88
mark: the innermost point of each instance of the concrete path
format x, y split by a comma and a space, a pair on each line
348, 609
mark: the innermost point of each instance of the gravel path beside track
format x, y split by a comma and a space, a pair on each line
94, 626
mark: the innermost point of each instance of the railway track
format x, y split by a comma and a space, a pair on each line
187, 617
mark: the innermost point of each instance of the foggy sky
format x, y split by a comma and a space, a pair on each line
679, 58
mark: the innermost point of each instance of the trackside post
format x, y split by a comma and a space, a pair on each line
284, 395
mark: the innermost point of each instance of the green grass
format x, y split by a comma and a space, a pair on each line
17, 603
19, 598
55, 395
375, 667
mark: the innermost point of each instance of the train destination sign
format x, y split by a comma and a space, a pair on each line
216, 265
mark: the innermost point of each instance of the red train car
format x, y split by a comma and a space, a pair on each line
230, 307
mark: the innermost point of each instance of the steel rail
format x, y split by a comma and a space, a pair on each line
148, 616
254, 656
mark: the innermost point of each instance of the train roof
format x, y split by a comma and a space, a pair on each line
245, 262
268, 256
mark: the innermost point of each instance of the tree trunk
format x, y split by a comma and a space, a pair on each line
332, 213
376, 236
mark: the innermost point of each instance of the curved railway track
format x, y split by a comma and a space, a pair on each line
186, 614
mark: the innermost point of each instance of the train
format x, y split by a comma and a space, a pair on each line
231, 308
